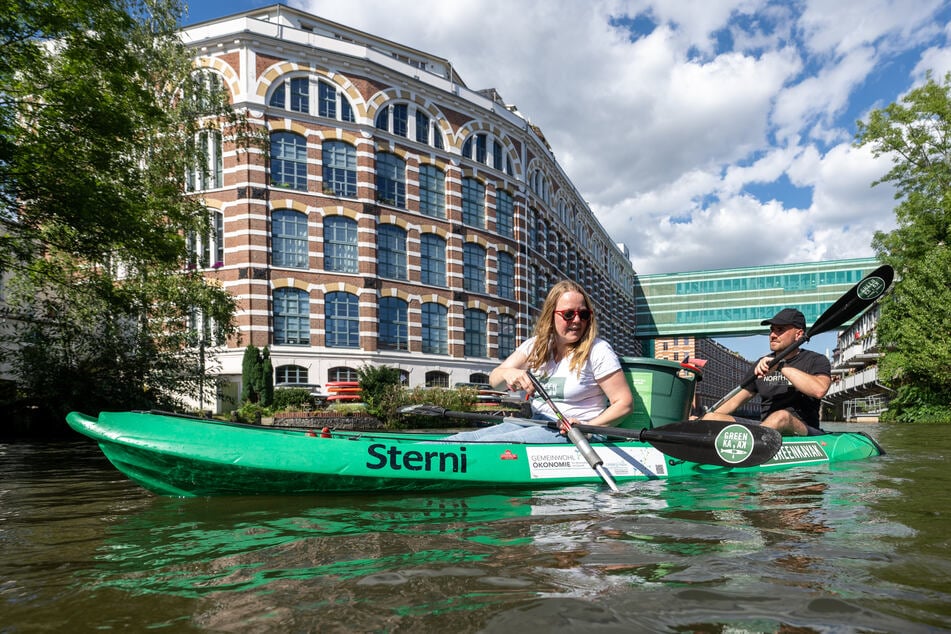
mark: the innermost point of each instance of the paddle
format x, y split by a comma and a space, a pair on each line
850, 305
575, 435
720, 443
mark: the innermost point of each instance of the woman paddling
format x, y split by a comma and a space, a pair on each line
580, 372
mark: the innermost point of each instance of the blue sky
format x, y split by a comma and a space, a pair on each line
704, 135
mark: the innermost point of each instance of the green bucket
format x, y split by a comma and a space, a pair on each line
663, 392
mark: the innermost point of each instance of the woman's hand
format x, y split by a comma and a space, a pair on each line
566, 424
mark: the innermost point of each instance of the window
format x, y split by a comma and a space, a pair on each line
343, 320
479, 377
207, 250
340, 244
342, 374
497, 155
394, 118
504, 214
208, 170
390, 179
435, 322
473, 262
475, 327
473, 202
290, 374
475, 150
394, 324
289, 239
506, 276
298, 91
432, 191
391, 252
339, 168
330, 101
291, 316
422, 127
288, 161
506, 336
432, 252
435, 378
206, 92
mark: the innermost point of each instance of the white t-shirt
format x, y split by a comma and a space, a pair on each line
576, 395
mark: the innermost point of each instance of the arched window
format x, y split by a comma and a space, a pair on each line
506, 276
475, 335
390, 179
342, 313
291, 374
432, 191
339, 168
393, 324
288, 161
432, 253
479, 377
341, 373
504, 214
506, 337
435, 322
340, 244
473, 202
331, 101
289, 239
292, 93
435, 378
391, 252
473, 263
291, 316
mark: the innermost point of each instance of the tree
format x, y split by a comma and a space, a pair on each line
266, 379
914, 317
250, 375
99, 107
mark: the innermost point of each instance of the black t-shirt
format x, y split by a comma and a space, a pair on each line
777, 393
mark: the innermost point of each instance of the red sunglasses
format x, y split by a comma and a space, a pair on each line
569, 315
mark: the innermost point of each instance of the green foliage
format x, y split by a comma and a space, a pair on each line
914, 320
375, 383
250, 373
292, 398
458, 400
251, 413
96, 135
266, 379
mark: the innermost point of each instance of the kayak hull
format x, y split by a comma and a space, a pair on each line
187, 457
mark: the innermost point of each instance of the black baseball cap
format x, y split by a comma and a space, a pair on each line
786, 317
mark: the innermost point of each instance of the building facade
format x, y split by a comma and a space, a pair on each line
395, 216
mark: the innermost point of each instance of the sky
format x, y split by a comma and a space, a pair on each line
704, 134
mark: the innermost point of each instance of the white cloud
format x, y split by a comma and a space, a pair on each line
664, 132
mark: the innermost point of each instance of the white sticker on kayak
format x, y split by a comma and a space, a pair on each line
567, 462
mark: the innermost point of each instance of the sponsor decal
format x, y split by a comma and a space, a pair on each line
393, 458
734, 443
508, 455
567, 462
808, 451
871, 288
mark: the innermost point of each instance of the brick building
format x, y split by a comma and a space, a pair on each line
396, 216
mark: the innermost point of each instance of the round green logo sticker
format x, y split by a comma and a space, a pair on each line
734, 443
871, 288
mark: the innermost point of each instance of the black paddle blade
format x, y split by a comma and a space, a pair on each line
856, 300
713, 442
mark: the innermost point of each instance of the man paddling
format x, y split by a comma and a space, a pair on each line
790, 391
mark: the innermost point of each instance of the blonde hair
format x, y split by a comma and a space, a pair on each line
543, 349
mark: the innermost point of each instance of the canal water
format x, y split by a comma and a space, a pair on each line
859, 547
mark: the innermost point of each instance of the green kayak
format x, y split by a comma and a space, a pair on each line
187, 456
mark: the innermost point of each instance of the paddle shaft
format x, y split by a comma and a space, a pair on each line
576, 436
850, 305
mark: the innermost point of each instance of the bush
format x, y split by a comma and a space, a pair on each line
375, 383
292, 398
251, 413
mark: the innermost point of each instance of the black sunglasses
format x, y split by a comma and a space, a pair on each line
569, 315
